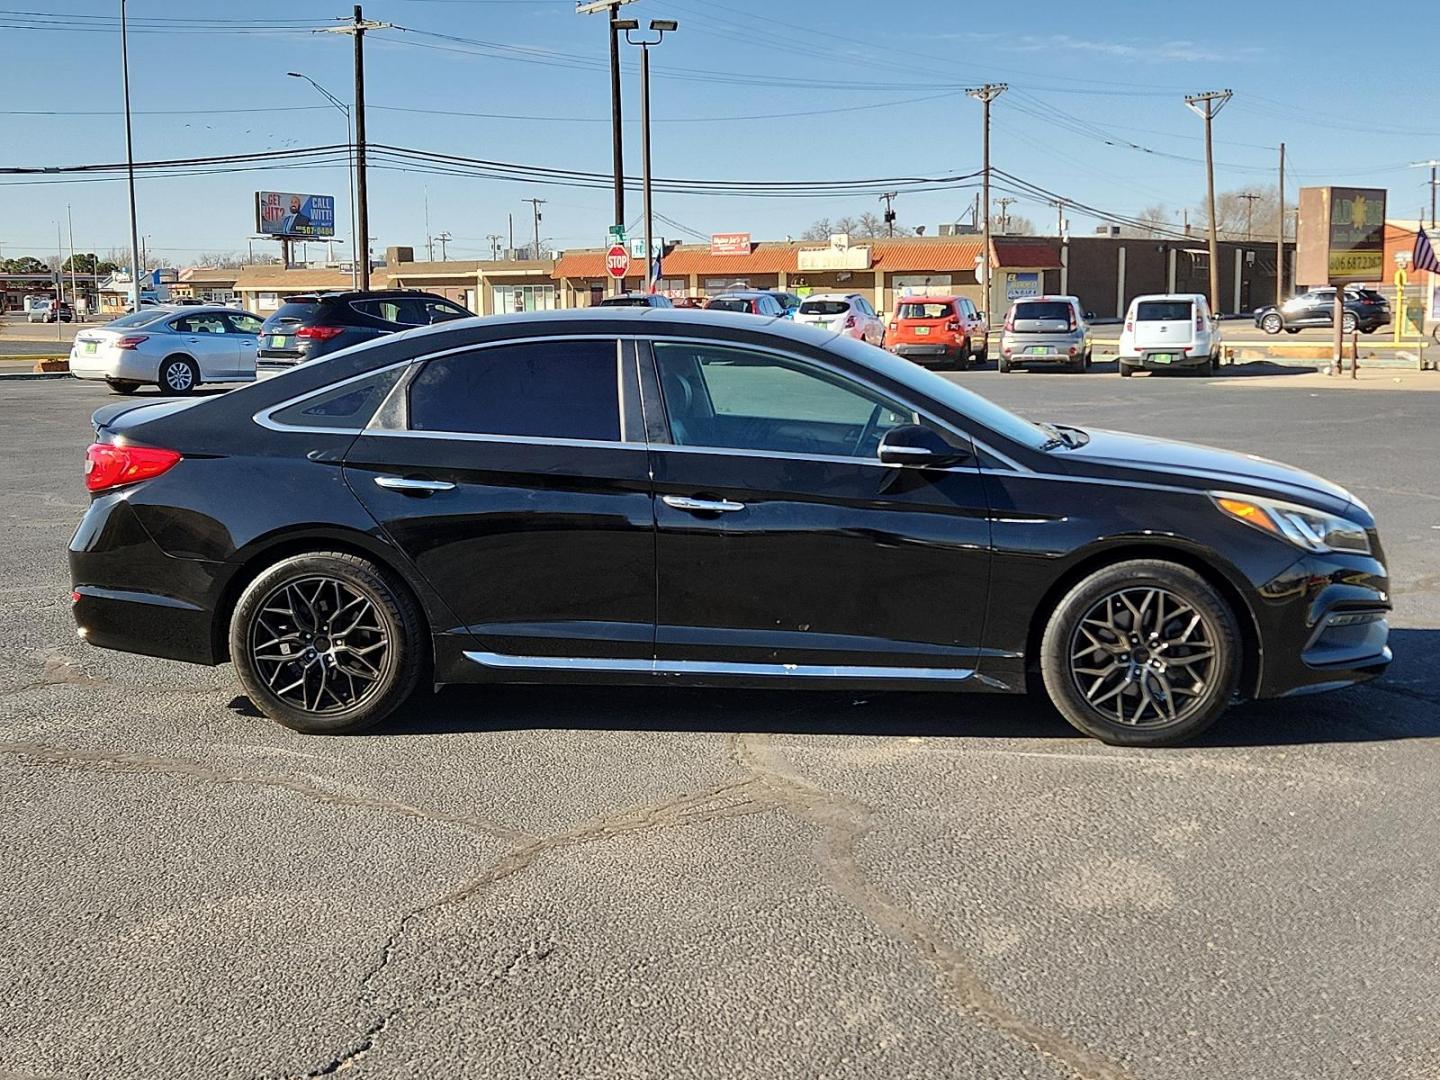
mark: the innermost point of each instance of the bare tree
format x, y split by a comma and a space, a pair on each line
819, 230
1012, 225
1154, 220
868, 226
1247, 213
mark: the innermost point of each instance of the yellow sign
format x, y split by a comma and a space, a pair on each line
1357, 264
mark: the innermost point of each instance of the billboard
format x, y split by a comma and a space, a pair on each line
294, 216
730, 243
1341, 236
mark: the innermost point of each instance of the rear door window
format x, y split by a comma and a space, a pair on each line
538, 389
242, 322
199, 324
1162, 311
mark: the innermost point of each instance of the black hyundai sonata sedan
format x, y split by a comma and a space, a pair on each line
652, 495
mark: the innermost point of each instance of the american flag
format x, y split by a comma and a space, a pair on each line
1423, 257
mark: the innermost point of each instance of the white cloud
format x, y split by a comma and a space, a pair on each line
1179, 50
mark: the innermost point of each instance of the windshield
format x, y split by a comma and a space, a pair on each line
824, 307
940, 389
936, 310
139, 318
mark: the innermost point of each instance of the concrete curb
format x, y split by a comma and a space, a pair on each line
26, 376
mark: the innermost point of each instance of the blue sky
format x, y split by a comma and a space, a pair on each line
1094, 113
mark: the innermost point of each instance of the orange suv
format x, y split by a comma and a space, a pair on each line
938, 330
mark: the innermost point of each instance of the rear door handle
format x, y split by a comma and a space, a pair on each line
405, 483
702, 506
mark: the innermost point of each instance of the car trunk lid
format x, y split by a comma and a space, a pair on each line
111, 421
1042, 317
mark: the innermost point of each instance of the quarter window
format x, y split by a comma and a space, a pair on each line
341, 408
541, 389
737, 399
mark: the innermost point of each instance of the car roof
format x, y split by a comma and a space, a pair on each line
1170, 296
742, 292
832, 296
925, 298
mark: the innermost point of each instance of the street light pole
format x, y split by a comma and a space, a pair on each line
130, 165
349, 168
1206, 106
659, 27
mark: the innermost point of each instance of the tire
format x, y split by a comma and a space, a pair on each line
1091, 654
983, 356
1207, 369
317, 589
1077, 364
1004, 365
122, 386
179, 376
1292, 329
1126, 370
1089, 357
1272, 323
963, 360
1347, 323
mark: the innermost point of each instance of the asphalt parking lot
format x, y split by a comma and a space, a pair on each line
648, 883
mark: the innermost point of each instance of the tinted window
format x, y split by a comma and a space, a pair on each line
729, 303
543, 389
302, 312
402, 310
436, 311
1054, 309
343, 407
722, 397
824, 307
914, 310
625, 301
1162, 311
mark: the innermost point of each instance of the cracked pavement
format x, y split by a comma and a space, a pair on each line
542, 882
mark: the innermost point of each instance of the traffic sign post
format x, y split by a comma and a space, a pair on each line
617, 262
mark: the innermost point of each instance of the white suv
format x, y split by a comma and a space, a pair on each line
845, 313
1170, 330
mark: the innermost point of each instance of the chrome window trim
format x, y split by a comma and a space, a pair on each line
511, 662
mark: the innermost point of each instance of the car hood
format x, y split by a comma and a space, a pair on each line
1151, 460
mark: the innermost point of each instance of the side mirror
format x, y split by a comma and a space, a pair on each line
920, 447
979, 314
1089, 316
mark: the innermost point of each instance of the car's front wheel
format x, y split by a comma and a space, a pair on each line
326, 643
1141, 653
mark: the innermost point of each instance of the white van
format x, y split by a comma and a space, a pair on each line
1170, 330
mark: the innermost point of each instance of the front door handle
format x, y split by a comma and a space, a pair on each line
406, 484
702, 506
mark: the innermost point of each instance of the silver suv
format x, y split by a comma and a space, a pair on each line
1046, 330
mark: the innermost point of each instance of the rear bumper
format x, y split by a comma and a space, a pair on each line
119, 364
921, 353
1020, 358
1178, 359
128, 594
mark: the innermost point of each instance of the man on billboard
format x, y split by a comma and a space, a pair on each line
294, 221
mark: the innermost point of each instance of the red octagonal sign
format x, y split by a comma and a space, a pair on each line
617, 261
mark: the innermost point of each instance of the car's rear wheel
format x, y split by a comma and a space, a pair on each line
1077, 363
1141, 653
122, 386
1272, 323
1347, 323
963, 360
326, 643
983, 356
1004, 364
1126, 370
179, 375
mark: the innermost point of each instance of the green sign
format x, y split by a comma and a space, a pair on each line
616, 234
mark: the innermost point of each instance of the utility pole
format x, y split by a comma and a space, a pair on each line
888, 199
1249, 198
1005, 202
1280, 239
130, 166
510, 220
1433, 165
535, 205
429, 240
1206, 106
444, 239
494, 239
1059, 205
74, 292
985, 95
356, 29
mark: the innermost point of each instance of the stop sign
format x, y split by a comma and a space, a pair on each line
617, 261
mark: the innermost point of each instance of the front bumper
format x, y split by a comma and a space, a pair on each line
1324, 624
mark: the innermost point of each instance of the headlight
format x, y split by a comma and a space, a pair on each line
1303, 526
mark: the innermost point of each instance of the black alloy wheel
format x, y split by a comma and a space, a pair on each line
326, 643
1142, 653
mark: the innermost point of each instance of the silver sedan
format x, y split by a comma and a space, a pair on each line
176, 350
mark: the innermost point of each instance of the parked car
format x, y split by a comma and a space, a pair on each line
788, 300
315, 325
688, 302
1164, 332
751, 302
637, 299
174, 349
49, 311
939, 330
689, 498
1046, 330
1366, 310
845, 313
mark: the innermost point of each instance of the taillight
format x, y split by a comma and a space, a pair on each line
111, 465
952, 324
1199, 323
319, 333
1009, 321
130, 341
1070, 311
1129, 327
849, 323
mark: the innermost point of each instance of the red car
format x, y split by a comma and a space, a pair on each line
939, 330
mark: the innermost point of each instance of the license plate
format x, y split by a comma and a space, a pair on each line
1038, 350
279, 341
1162, 357
87, 347
922, 331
